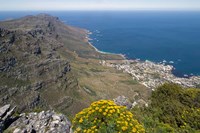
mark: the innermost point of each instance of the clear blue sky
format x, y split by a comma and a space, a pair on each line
99, 4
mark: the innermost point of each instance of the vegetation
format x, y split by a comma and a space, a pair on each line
130, 82
105, 116
172, 109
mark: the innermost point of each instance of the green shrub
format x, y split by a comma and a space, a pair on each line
172, 109
105, 116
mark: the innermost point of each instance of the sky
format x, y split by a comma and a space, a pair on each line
6, 5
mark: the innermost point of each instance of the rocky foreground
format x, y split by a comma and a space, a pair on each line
151, 74
42, 122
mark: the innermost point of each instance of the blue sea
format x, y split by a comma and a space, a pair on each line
171, 36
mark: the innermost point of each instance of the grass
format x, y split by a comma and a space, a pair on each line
9, 130
88, 90
96, 70
12, 82
106, 82
37, 109
130, 82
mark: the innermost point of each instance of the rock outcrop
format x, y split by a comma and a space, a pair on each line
42, 122
6, 116
124, 101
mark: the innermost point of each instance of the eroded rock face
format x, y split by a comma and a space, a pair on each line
7, 39
34, 62
42, 122
7, 63
6, 116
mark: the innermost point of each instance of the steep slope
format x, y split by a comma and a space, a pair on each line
47, 64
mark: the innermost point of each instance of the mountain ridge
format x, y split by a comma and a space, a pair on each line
49, 65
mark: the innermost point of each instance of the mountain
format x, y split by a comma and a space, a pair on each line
45, 64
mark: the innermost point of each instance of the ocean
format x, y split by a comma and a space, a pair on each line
159, 36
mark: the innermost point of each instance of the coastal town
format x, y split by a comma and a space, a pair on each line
152, 74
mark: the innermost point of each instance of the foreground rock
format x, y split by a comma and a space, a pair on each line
6, 116
43, 122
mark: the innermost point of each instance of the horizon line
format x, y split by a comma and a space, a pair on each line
171, 9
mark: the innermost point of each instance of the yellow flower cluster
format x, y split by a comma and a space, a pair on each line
106, 116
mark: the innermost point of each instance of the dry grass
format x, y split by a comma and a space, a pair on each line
105, 82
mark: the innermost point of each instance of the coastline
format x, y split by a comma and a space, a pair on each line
123, 56
162, 70
88, 33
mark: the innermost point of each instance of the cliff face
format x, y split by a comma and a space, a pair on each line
45, 64
33, 66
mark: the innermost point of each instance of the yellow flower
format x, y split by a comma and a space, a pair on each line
78, 129
118, 111
124, 128
92, 118
81, 120
97, 108
90, 112
118, 121
89, 131
94, 127
134, 130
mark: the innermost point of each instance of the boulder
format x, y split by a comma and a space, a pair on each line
67, 68
4, 109
123, 101
42, 122
6, 116
37, 51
